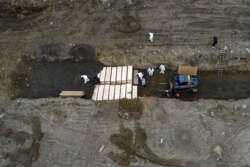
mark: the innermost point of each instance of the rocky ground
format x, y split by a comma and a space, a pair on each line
46, 44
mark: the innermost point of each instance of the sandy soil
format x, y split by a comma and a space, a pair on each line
43, 41
154, 132
118, 30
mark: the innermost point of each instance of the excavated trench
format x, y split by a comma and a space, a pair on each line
49, 78
48, 75
232, 85
41, 78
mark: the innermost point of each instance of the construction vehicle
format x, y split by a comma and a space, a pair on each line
185, 80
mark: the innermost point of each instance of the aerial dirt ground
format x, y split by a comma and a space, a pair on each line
142, 132
45, 45
117, 33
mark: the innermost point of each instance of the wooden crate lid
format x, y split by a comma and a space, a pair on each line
187, 70
72, 93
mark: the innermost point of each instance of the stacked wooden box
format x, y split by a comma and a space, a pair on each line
116, 83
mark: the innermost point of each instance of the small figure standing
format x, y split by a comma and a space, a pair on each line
151, 37
84, 78
150, 71
215, 41
162, 69
96, 80
166, 93
140, 75
143, 82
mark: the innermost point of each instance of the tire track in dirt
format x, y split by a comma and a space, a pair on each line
24, 155
133, 144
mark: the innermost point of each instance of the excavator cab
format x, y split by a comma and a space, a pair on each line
185, 80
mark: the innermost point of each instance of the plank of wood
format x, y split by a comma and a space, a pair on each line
130, 74
113, 75
117, 91
123, 91
72, 94
95, 93
108, 75
129, 91
124, 74
102, 75
134, 93
187, 70
136, 80
106, 92
100, 92
112, 92
119, 75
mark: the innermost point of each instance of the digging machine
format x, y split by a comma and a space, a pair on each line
185, 80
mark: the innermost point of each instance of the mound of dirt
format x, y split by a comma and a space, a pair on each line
29, 144
83, 52
52, 49
48, 76
25, 7
130, 109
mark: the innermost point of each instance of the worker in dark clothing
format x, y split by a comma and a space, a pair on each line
96, 80
215, 41
166, 93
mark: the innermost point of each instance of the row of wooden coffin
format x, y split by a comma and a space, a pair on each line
114, 92
116, 75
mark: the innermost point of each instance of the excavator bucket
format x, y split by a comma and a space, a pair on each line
187, 70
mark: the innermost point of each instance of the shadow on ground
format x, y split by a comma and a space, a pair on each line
47, 78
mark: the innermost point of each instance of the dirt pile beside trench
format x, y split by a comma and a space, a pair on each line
24, 7
16, 5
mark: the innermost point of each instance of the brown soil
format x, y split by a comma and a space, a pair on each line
128, 21
130, 109
138, 148
19, 79
25, 156
118, 31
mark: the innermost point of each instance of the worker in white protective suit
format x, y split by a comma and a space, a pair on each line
151, 37
84, 78
150, 71
162, 69
140, 75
